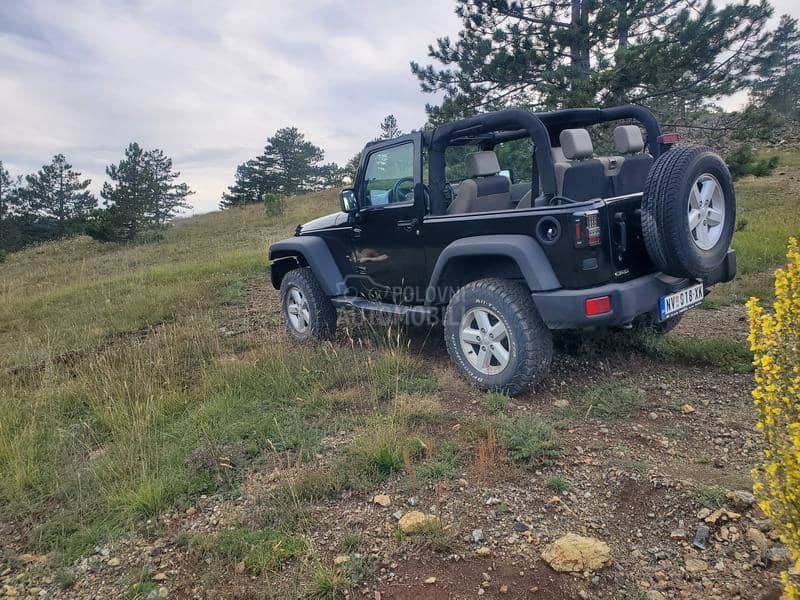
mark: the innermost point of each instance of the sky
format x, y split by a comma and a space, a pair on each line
208, 81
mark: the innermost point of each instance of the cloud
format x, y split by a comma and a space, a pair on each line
207, 81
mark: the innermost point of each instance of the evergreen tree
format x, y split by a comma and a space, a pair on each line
546, 55
292, 161
249, 186
5, 192
352, 165
290, 164
389, 128
329, 175
778, 72
142, 194
168, 196
57, 194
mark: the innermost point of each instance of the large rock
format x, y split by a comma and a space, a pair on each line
416, 521
759, 540
574, 553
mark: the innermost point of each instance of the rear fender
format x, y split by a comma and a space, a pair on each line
520, 250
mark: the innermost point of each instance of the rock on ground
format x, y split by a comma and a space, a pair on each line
575, 553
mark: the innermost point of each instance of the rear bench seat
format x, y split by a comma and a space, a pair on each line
634, 164
580, 177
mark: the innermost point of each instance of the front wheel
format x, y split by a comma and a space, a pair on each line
308, 312
495, 336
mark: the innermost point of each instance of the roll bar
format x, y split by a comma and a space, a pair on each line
543, 129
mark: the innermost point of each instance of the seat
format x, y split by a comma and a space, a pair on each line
519, 191
485, 190
579, 177
636, 163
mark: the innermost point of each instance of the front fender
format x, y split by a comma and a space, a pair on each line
316, 254
522, 249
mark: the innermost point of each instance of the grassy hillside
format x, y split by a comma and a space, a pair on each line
133, 379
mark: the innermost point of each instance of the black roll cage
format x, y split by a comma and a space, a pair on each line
543, 129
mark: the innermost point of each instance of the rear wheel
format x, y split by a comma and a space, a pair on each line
496, 337
308, 312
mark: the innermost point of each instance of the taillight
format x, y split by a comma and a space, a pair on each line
669, 138
586, 229
598, 306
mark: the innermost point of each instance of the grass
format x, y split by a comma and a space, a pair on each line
767, 216
531, 440
496, 403
121, 397
730, 355
260, 550
611, 400
558, 484
710, 496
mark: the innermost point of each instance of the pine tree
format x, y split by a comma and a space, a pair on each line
389, 128
290, 164
292, 160
253, 179
547, 55
143, 193
168, 196
778, 72
5, 192
56, 193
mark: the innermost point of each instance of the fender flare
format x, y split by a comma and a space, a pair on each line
317, 255
522, 249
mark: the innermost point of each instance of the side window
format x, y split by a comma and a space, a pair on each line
389, 177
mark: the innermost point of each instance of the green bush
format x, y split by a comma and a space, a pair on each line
745, 161
274, 205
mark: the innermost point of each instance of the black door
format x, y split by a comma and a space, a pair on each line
388, 254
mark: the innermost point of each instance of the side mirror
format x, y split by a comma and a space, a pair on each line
347, 201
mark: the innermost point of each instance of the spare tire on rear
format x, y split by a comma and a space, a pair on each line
688, 212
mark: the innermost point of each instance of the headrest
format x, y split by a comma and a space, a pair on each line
482, 164
576, 144
628, 139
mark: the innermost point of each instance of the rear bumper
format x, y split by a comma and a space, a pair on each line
565, 309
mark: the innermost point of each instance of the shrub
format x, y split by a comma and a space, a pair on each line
744, 161
775, 342
274, 205
3, 255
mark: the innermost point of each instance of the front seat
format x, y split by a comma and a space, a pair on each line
633, 172
580, 177
485, 190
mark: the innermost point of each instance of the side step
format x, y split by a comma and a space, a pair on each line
400, 310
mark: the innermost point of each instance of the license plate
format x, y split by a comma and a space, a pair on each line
669, 306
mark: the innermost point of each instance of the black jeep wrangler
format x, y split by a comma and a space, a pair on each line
507, 226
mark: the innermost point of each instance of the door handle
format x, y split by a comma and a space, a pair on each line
356, 232
408, 224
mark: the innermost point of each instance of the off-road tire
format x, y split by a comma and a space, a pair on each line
321, 312
530, 341
665, 222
